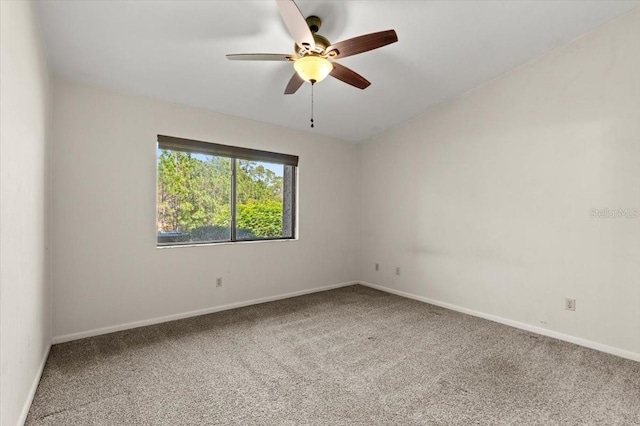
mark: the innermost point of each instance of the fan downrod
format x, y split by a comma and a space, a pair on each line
314, 23
322, 43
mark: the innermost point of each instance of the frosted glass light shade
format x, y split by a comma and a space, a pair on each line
313, 68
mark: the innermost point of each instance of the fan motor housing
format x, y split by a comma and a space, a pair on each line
321, 45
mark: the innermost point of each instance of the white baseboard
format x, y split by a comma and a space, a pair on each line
32, 391
158, 320
521, 325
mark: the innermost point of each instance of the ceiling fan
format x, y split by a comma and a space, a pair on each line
315, 57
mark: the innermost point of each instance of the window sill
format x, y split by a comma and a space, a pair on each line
226, 243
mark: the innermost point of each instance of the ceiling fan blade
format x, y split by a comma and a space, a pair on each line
294, 84
296, 24
260, 57
349, 76
362, 43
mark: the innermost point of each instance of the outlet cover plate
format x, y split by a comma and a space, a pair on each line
570, 304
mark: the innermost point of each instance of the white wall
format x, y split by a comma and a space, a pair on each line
484, 202
107, 271
25, 299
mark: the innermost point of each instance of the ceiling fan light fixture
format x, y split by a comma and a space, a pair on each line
312, 68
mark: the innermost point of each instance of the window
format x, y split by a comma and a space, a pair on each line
210, 193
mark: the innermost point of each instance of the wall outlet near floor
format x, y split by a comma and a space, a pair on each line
377, 267
397, 270
570, 304
219, 282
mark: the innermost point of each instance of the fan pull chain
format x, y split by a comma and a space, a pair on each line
312, 84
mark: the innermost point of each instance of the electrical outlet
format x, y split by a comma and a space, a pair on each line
219, 282
570, 304
377, 267
397, 270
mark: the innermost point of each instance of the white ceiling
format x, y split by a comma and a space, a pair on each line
175, 51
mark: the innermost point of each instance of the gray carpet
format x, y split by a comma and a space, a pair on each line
352, 356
